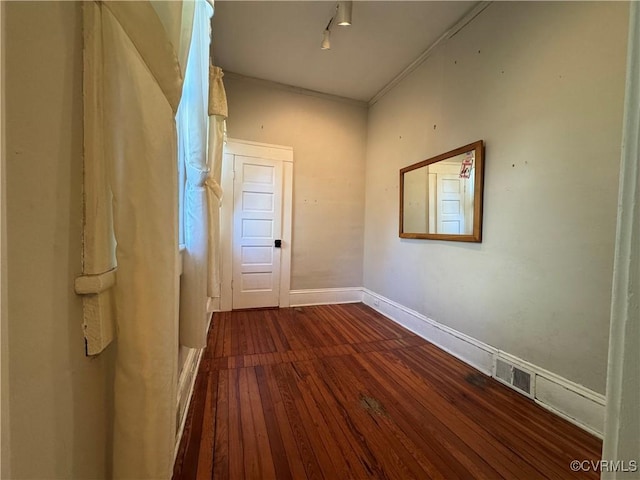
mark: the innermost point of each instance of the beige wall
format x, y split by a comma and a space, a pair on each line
59, 398
328, 140
542, 84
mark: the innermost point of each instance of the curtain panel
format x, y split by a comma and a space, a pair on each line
192, 124
217, 114
133, 85
133, 98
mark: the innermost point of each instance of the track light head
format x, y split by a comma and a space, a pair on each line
326, 40
343, 17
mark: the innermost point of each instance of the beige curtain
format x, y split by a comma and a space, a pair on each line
130, 284
133, 85
217, 115
177, 19
192, 133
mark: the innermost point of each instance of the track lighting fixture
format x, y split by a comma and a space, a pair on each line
341, 17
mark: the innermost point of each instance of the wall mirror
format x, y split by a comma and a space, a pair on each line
441, 197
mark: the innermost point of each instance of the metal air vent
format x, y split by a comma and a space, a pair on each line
514, 376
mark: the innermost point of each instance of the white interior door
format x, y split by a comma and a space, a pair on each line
450, 209
257, 224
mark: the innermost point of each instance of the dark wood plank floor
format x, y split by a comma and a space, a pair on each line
341, 392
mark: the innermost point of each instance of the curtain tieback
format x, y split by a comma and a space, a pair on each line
214, 188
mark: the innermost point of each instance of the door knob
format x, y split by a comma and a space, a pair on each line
278, 244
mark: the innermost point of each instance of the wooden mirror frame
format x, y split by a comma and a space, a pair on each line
476, 236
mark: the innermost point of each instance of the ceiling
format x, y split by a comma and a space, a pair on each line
280, 41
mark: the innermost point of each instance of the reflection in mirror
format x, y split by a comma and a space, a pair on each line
441, 198
438, 199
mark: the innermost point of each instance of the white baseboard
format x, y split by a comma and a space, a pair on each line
213, 304
477, 354
186, 382
580, 405
576, 403
325, 296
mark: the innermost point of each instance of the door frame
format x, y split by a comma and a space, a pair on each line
279, 153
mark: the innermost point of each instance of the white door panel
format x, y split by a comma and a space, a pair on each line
258, 201
257, 224
257, 255
257, 229
450, 209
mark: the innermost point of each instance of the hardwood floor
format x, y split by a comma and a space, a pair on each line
341, 392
